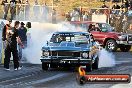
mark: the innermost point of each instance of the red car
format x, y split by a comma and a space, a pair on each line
106, 35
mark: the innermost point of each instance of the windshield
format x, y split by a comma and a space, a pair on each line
81, 38
106, 27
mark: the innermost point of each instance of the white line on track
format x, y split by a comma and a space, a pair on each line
120, 62
37, 81
16, 79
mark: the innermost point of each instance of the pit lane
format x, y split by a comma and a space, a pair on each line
31, 76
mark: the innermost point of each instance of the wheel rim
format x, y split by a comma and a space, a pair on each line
111, 45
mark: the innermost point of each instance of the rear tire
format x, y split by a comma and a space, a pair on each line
45, 66
125, 48
96, 63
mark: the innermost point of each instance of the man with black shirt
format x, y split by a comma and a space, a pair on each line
11, 39
22, 32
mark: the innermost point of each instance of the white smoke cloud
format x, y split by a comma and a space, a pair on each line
40, 34
106, 59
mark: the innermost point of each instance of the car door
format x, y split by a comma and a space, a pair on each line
98, 36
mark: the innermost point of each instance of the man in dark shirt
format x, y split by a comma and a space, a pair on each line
22, 32
116, 6
104, 6
11, 40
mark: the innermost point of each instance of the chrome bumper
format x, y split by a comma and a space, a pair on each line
124, 42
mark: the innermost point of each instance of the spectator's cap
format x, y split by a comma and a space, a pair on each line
22, 23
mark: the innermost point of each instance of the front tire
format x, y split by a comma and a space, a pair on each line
125, 48
45, 66
111, 45
89, 67
53, 66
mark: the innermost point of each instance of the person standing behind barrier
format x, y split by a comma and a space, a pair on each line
5, 8
36, 11
27, 10
85, 16
12, 39
18, 8
22, 34
45, 12
116, 6
104, 6
74, 15
129, 30
53, 16
125, 23
13, 9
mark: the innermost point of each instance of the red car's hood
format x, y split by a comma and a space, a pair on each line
115, 33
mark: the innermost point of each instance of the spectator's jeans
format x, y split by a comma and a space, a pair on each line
20, 49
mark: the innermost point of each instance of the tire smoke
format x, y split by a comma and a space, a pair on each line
40, 34
106, 59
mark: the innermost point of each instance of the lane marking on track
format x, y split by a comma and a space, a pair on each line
120, 62
16, 79
50, 78
35, 82
129, 85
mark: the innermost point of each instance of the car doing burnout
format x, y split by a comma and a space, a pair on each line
70, 49
106, 36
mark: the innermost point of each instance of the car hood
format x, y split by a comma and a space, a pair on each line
116, 33
65, 47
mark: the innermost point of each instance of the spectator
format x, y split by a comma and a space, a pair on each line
22, 34
53, 16
93, 28
68, 17
5, 8
45, 12
2, 25
12, 38
123, 6
27, 10
13, 9
36, 10
126, 4
74, 15
104, 6
85, 16
125, 23
89, 27
116, 6
130, 29
18, 8
130, 7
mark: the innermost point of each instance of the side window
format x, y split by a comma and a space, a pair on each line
53, 38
